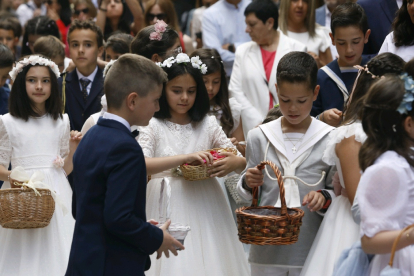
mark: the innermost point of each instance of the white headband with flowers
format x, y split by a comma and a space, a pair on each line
34, 60
184, 58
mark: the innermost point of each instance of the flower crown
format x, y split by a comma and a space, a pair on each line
160, 27
108, 66
33, 60
365, 68
406, 104
184, 58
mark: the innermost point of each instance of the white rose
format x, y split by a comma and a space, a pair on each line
196, 60
203, 69
181, 57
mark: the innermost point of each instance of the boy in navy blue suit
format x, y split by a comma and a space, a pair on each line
82, 88
112, 236
349, 34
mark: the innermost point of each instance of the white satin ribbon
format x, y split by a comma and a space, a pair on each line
35, 182
164, 201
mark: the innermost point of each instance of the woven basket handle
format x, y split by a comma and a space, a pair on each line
255, 190
394, 246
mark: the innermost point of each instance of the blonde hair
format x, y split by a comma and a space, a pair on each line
167, 7
49, 46
309, 19
92, 9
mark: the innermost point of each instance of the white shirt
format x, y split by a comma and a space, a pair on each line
223, 23
399, 3
117, 118
405, 52
25, 11
91, 77
328, 15
319, 43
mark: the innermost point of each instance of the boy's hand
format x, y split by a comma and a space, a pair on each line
332, 117
225, 165
254, 177
198, 158
168, 243
75, 136
314, 200
152, 222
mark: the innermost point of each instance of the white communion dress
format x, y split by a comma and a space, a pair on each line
34, 145
212, 246
338, 230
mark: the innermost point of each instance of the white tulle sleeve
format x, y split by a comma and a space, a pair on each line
146, 139
64, 141
5, 145
383, 195
236, 109
217, 135
337, 135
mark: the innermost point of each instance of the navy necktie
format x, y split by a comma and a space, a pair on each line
84, 83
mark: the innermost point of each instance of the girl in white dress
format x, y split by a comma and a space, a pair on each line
37, 137
386, 188
401, 40
338, 230
178, 134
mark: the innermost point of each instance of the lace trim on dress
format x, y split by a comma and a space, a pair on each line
337, 135
35, 161
5, 145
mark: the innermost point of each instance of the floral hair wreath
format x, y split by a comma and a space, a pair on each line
184, 58
34, 60
406, 103
365, 68
108, 66
160, 27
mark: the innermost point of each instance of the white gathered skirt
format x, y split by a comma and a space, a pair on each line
212, 246
41, 251
337, 232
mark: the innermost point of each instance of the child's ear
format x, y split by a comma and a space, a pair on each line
316, 92
332, 39
16, 41
156, 58
100, 51
277, 88
132, 101
367, 36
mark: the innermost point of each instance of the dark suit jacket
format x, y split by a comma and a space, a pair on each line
330, 96
380, 14
320, 15
76, 108
111, 234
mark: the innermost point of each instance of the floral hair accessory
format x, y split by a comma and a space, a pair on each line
184, 58
160, 27
34, 60
406, 104
108, 66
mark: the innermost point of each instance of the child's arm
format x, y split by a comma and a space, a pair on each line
382, 242
75, 137
101, 17
238, 136
347, 151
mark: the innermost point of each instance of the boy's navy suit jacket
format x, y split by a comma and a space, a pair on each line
112, 236
75, 106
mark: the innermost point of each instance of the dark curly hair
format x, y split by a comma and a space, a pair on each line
403, 26
87, 25
383, 124
386, 63
222, 98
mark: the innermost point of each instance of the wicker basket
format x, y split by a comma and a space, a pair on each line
22, 208
268, 225
200, 172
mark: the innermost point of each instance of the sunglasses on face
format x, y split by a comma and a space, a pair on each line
160, 16
78, 12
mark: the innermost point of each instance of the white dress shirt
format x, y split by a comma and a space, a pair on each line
91, 77
25, 11
399, 3
223, 23
117, 118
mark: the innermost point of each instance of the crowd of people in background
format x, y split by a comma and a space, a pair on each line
324, 89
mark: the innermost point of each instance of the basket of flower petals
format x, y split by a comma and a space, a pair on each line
269, 225
200, 172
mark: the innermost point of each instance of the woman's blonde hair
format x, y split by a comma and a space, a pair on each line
167, 7
309, 19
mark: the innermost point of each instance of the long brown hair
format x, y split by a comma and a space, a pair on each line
386, 63
211, 58
383, 124
167, 7
309, 20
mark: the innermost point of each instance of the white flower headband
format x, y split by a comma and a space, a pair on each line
34, 60
184, 58
108, 66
